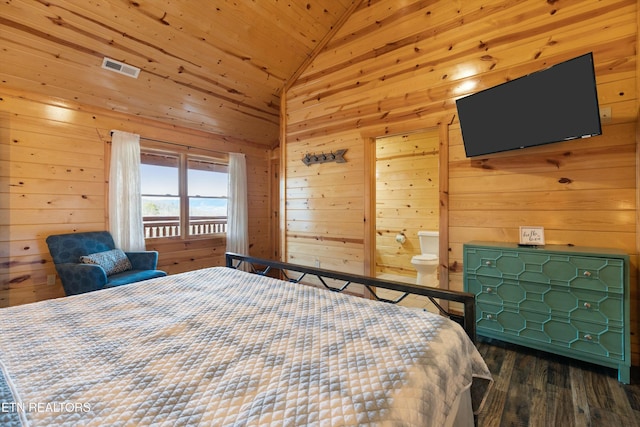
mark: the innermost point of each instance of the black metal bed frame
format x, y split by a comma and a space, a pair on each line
467, 320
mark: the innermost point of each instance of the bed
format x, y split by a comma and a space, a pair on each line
225, 347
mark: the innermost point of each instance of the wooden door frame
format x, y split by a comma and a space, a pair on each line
274, 208
443, 185
443, 190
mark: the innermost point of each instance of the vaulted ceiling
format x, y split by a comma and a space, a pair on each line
216, 66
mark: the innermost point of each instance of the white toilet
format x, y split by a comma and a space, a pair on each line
427, 263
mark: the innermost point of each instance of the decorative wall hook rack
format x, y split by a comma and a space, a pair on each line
337, 157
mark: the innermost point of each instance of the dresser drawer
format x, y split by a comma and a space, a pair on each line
553, 333
585, 305
576, 303
587, 272
586, 337
492, 317
495, 290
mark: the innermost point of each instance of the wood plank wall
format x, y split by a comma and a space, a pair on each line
54, 180
406, 197
397, 67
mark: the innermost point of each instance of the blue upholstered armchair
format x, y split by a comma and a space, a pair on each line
90, 261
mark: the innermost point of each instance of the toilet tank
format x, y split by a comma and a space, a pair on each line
429, 242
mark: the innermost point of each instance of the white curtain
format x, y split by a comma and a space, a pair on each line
237, 208
125, 204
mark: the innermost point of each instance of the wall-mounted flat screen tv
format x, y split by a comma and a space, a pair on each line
555, 104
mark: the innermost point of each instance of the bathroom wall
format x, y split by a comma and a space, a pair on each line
406, 197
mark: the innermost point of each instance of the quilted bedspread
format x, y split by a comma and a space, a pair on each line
221, 347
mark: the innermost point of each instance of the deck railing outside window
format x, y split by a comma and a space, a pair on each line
169, 226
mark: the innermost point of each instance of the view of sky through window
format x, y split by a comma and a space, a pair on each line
158, 183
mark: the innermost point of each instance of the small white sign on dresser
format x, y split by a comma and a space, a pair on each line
531, 236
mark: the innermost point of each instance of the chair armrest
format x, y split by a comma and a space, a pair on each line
80, 278
143, 260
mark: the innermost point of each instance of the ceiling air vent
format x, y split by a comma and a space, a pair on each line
120, 67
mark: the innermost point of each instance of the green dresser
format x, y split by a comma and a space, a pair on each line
572, 301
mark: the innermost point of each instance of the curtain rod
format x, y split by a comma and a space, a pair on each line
179, 145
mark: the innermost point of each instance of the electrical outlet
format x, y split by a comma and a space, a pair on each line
317, 262
51, 279
605, 114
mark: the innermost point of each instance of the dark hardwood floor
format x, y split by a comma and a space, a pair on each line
534, 388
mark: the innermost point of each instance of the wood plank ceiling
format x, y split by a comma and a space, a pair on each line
216, 66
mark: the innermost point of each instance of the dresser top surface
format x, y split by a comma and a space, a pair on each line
577, 250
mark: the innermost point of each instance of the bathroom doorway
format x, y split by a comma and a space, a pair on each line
407, 200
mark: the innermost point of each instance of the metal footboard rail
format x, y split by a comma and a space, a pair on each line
263, 266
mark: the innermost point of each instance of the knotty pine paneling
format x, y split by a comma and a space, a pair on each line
215, 67
325, 210
55, 180
397, 67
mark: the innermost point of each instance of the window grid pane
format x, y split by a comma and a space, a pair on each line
159, 179
207, 196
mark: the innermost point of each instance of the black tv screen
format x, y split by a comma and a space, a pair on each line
555, 104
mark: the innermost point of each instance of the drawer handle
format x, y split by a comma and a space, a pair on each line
489, 290
487, 263
588, 337
587, 305
587, 274
489, 316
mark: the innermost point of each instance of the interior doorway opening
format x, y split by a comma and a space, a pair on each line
406, 200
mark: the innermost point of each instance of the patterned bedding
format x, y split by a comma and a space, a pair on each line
221, 347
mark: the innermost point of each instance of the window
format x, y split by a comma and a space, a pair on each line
183, 195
